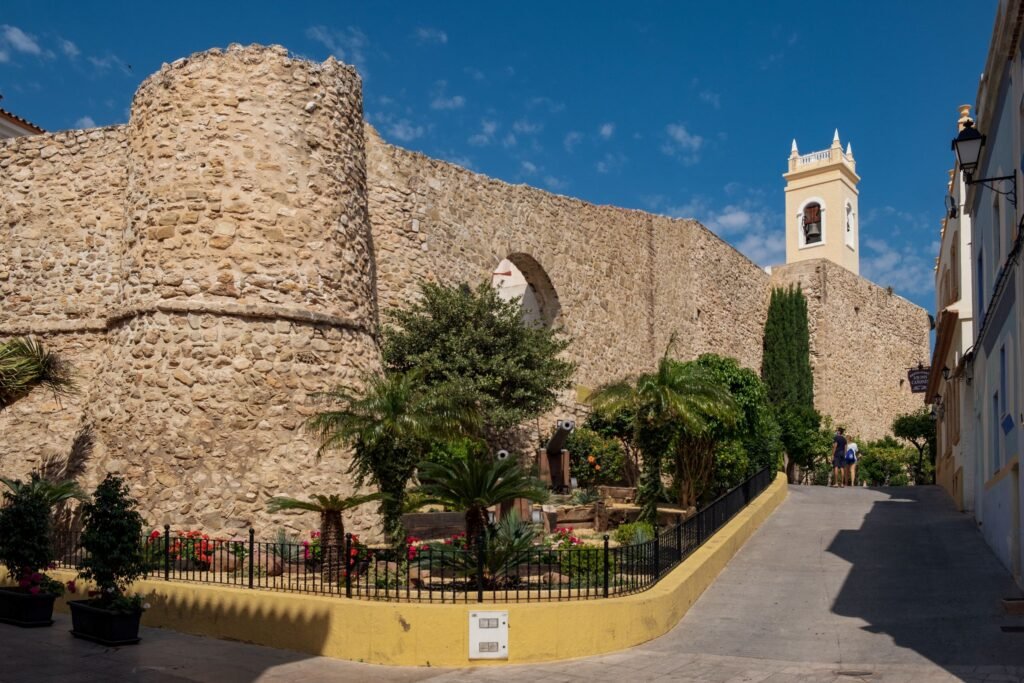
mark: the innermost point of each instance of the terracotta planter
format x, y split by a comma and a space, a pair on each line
103, 626
21, 608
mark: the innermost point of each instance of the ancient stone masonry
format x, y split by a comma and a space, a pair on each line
223, 256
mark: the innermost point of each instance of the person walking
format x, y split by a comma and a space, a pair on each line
838, 458
851, 463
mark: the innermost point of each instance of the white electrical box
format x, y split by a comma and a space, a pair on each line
488, 635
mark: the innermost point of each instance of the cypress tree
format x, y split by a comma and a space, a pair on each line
786, 371
786, 363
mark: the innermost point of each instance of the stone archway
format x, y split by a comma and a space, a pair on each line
520, 277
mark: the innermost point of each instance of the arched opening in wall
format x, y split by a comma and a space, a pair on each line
520, 277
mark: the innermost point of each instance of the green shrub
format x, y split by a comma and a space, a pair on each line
26, 546
886, 462
594, 459
633, 533
113, 556
584, 565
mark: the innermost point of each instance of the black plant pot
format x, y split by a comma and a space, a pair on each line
103, 626
21, 608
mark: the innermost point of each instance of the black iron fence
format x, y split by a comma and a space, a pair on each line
492, 569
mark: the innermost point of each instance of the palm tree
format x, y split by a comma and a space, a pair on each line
53, 492
675, 398
24, 365
391, 423
475, 484
332, 523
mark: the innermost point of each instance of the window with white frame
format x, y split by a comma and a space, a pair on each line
812, 224
851, 227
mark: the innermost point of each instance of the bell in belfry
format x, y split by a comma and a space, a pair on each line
812, 231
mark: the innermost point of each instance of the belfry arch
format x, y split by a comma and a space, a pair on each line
520, 276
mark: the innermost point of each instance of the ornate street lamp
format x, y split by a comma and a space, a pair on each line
967, 146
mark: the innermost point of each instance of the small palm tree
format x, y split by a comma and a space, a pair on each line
475, 484
24, 365
676, 397
391, 423
53, 492
332, 523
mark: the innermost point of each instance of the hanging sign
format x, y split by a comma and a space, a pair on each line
918, 378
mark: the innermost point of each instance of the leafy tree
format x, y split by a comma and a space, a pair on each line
474, 485
332, 523
919, 429
455, 335
594, 459
787, 375
391, 423
757, 433
885, 462
53, 492
24, 365
25, 530
619, 425
675, 396
111, 536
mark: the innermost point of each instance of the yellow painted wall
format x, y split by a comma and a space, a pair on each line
437, 635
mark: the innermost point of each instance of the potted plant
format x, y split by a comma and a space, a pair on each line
113, 559
25, 550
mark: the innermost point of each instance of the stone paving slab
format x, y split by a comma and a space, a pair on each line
839, 585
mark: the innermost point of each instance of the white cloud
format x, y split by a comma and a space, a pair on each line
509, 140
348, 44
474, 73
606, 130
712, 98
486, 135
5, 56
527, 127
610, 162
19, 41
572, 138
404, 130
681, 143
553, 183
441, 101
431, 36
749, 225
85, 122
904, 267
109, 62
69, 49
547, 103
529, 168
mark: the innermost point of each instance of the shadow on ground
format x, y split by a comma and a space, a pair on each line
922, 574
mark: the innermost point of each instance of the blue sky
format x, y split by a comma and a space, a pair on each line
682, 108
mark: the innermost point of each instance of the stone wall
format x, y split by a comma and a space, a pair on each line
223, 256
863, 340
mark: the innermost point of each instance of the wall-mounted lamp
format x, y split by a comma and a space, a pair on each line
945, 373
968, 146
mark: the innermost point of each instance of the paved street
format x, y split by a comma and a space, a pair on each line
838, 585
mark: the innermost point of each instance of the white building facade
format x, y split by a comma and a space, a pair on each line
992, 369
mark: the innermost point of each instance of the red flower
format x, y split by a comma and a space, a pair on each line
34, 590
72, 587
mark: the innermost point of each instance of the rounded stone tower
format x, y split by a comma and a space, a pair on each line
248, 284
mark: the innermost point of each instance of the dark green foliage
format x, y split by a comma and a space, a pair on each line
25, 364
606, 467
758, 440
474, 339
25, 531
676, 411
918, 428
474, 485
786, 364
619, 425
392, 423
112, 528
787, 375
633, 533
885, 462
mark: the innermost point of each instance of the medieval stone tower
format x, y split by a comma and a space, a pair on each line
821, 206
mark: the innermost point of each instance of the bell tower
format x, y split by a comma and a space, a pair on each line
822, 218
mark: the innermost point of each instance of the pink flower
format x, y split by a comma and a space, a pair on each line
71, 586
34, 590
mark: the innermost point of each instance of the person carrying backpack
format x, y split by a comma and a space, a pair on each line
838, 458
852, 454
